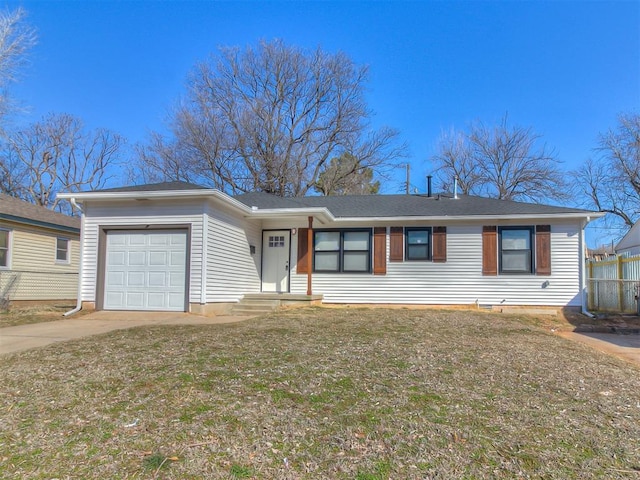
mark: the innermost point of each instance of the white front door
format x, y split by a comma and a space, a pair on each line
145, 270
275, 261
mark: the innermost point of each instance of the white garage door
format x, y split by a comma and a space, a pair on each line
146, 270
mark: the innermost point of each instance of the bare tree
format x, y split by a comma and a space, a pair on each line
612, 183
58, 154
504, 162
454, 160
269, 119
16, 39
344, 175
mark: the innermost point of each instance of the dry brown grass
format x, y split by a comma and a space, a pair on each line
322, 393
23, 315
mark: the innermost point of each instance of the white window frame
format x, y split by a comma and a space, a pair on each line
66, 260
9, 248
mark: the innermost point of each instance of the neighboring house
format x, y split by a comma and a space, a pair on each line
600, 253
177, 246
39, 252
630, 243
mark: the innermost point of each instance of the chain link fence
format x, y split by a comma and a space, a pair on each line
26, 285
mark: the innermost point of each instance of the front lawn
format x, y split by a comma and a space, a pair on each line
322, 393
24, 315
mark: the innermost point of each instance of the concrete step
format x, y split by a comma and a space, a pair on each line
257, 306
242, 312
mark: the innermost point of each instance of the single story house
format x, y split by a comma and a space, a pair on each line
39, 252
179, 246
630, 244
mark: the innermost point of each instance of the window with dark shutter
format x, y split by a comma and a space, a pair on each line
417, 243
380, 250
301, 266
543, 249
490, 250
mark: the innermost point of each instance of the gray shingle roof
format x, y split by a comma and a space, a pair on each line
20, 211
156, 187
407, 205
354, 206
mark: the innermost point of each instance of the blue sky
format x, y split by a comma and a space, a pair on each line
566, 69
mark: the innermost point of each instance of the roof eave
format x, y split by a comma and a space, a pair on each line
83, 197
443, 218
39, 223
322, 214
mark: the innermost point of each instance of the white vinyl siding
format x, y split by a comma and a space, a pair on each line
459, 280
142, 213
232, 270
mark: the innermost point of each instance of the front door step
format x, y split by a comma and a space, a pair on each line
264, 303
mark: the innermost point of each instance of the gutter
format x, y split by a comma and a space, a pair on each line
444, 218
159, 195
79, 299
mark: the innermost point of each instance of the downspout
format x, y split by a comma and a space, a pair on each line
309, 256
79, 300
583, 269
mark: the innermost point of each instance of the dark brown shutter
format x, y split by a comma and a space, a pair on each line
396, 244
543, 249
301, 266
439, 244
490, 250
380, 250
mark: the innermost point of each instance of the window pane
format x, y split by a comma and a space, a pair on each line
325, 241
417, 252
61, 249
3, 258
356, 240
516, 261
516, 239
4, 239
417, 236
276, 241
327, 261
356, 261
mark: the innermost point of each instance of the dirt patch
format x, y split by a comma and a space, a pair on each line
26, 314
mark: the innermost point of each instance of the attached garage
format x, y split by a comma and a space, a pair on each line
145, 270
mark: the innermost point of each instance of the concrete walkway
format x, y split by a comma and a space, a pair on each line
626, 347
25, 337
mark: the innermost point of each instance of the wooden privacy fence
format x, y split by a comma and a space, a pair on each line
613, 284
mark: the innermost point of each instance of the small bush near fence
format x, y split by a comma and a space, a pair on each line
613, 285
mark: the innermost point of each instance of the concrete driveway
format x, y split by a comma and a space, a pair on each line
626, 347
25, 337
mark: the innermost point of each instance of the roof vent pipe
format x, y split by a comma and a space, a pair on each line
429, 185
455, 187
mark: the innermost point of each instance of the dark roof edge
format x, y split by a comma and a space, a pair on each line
37, 223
